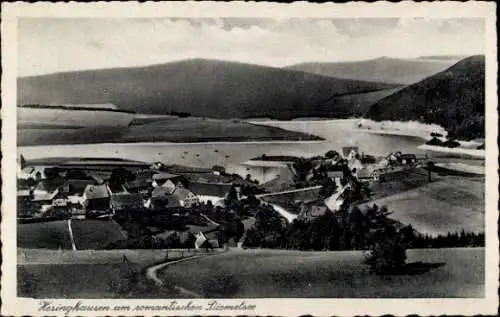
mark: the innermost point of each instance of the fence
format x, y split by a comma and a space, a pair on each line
45, 256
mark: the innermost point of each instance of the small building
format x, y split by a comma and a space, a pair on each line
407, 159
163, 197
350, 152
47, 202
335, 175
125, 200
311, 210
213, 192
160, 178
97, 197
139, 185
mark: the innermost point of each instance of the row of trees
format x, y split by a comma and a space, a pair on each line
385, 239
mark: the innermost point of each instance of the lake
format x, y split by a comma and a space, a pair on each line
337, 133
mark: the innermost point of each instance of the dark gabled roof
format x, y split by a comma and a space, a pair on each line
50, 185
126, 200
165, 175
78, 186
96, 191
347, 149
210, 189
138, 183
408, 156
335, 173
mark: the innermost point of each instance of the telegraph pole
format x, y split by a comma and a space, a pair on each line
430, 166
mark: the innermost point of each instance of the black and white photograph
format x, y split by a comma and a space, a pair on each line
165, 159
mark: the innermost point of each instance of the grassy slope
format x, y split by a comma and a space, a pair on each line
46, 235
88, 234
448, 204
449, 98
164, 130
387, 70
273, 273
95, 234
201, 87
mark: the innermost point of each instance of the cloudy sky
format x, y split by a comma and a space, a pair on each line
54, 45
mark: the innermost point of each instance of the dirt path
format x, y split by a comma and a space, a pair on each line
151, 273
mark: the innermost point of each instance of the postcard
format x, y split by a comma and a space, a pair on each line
244, 158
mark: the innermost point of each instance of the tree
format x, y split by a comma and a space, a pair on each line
52, 173
332, 154
120, 176
386, 244
302, 168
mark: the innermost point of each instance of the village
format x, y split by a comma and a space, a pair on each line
186, 205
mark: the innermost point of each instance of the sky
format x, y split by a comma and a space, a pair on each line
49, 45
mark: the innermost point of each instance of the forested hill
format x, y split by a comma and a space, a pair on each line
383, 69
453, 98
209, 88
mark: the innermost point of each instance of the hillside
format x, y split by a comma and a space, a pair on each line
200, 87
384, 69
453, 99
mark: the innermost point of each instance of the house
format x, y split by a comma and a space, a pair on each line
160, 178
125, 200
97, 197
46, 187
335, 175
139, 185
350, 152
56, 199
213, 192
311, 210
163, 197
407, 159
25, 206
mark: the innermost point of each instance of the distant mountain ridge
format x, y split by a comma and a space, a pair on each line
383, 69
453, 98
200, 87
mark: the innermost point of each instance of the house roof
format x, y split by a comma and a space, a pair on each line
347, 149
46, 196
126, 200
50, 185
23, 192
408, 156
182, 193
161, 191
96, 191
164, 175
210, 189
138, 183
335, 174
78, 185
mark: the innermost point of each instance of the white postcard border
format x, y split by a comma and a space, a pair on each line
278, 307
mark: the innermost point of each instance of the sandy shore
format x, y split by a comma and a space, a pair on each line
412, 133
455, 151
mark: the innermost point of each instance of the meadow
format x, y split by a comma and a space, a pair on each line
340, 274
449, 204
87, 234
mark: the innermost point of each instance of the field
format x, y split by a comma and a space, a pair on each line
67, 281
284, 274
87, 234
88, 274
268, 273
448, 204
44, 235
